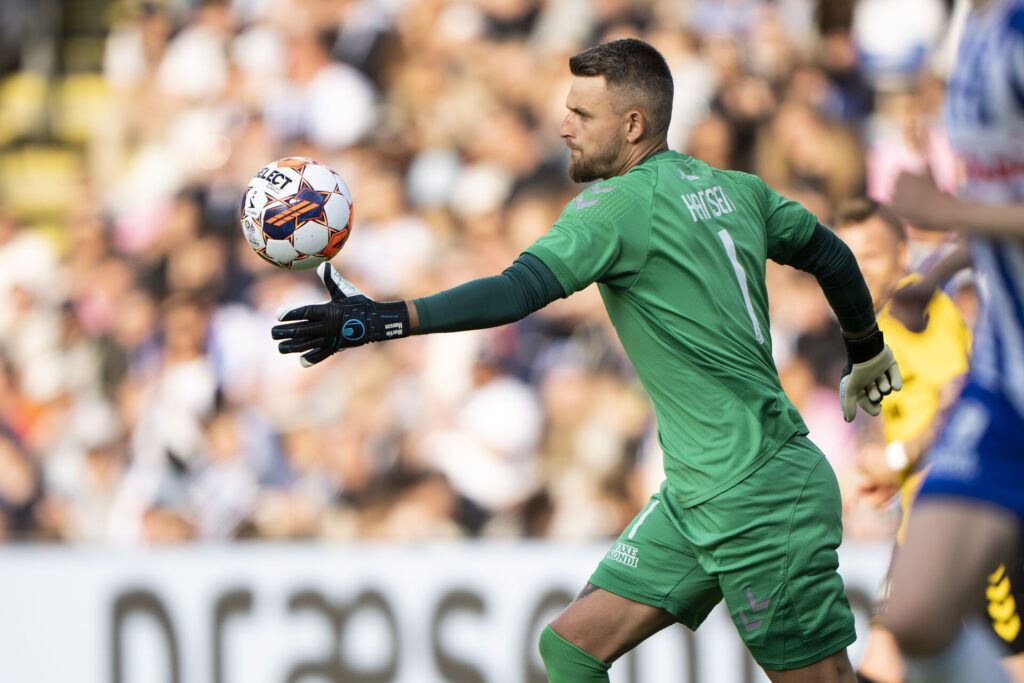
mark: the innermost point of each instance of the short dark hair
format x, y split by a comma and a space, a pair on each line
634, 69
854, 211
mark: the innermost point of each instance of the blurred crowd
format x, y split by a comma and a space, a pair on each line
141, 397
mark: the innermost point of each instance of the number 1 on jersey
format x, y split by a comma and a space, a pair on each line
741, 277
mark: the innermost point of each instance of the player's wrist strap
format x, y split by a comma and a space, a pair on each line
388, 320
863, 349
363, 320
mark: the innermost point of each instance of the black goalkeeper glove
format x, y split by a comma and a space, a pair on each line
349, 319
870, 374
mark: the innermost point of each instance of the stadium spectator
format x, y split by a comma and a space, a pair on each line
329, 103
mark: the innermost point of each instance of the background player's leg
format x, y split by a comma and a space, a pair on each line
938, 577
881, 661
1015, 668
603, 626
835, 668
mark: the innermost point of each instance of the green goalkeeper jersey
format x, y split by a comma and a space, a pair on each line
678, 250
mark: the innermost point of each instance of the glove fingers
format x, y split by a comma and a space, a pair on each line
298, 344
325, 272
314, 312
895, 378
338, 287
313, 357
284, 313
869, 406
867, 383
847, 400
301, 329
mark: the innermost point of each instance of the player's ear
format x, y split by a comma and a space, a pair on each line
636, 124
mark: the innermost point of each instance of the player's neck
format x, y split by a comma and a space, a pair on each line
639, 153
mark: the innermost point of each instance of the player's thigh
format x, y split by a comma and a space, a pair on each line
772, 543
607, 625
650, 577
939, 574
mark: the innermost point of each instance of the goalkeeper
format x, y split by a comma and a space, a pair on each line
750, 509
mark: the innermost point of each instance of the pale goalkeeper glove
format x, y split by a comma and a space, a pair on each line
870, 374
349, 319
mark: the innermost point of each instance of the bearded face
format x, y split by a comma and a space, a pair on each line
599, 159
593, 131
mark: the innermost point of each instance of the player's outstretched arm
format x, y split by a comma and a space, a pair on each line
871, 371
350, 318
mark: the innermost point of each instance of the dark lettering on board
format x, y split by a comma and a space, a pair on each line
450, 668
142, 602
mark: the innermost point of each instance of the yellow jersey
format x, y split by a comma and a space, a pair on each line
928, 360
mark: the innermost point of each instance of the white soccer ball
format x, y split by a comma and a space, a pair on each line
296, 213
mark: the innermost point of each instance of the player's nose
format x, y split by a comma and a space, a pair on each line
564, 130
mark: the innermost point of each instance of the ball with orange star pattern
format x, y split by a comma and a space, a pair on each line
296, 213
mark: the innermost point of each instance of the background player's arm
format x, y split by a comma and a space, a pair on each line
917, 198
909, 303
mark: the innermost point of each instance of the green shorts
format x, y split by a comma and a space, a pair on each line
767, 545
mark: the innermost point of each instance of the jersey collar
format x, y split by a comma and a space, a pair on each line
651, 156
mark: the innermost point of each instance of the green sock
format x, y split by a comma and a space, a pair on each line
566, 663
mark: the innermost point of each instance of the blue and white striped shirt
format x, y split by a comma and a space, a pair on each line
984, 112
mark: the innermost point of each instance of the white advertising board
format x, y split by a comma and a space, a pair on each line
305, 613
